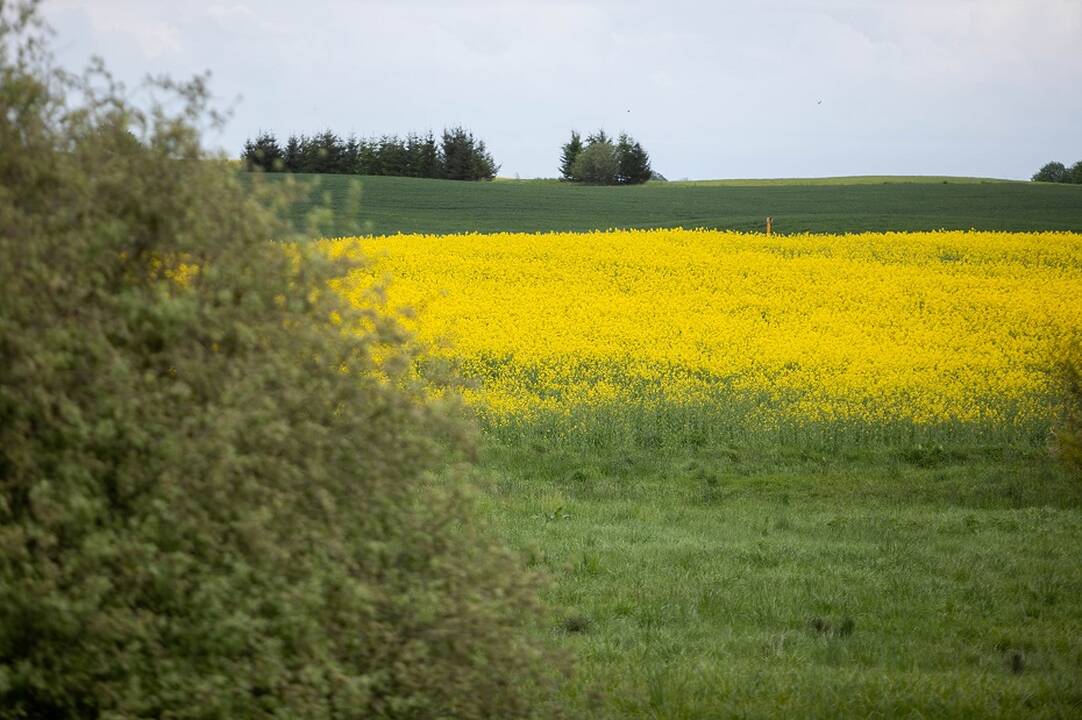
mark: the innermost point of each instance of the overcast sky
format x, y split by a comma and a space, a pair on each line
770, 88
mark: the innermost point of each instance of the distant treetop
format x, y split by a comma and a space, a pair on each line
458, 155
600, 161
1057, 172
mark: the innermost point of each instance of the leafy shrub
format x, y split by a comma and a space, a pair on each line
597, 164
1057, 172
1052, 172
215, 502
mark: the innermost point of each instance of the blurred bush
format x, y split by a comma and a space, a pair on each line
217, 499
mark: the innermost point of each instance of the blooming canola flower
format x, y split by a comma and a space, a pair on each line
923, 327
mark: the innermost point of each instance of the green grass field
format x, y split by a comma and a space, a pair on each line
387, 205
730, 583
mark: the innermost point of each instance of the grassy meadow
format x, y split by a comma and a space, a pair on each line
728, 582
790, 476
388, 205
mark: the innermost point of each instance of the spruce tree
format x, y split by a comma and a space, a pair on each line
633, 161
330, 153
483, 167
351, 155
392, 156
310, 156
465, 158
263, 153
292, 155
598, 137
1074, 175
429, 164
368, 158
569, 154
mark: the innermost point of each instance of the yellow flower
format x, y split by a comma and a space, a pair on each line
878, 327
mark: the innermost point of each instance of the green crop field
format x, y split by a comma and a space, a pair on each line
387, 205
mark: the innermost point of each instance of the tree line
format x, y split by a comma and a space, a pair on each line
1057, 172
601, 161
457, 155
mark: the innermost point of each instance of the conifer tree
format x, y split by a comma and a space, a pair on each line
392, 156
1074, 175
368, 158
465, 158
633, 161
570, 153
428, 160
351, 155
598, 137
292, 155
263, 153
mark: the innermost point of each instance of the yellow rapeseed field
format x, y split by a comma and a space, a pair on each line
878, 327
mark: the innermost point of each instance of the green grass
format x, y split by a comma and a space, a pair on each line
730, 582
848, 180
388, 205
755, 421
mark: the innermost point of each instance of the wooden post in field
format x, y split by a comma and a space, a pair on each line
769, 225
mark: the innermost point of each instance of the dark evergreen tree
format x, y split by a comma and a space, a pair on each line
429, 163
351, 154
329, 153
1074, 175
263, 153
310, 155
292, 155
598, 137
482, 165
570, 153
465, 158
367, 158
392, 156
456, 154
634, 163
412, 153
